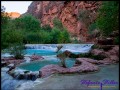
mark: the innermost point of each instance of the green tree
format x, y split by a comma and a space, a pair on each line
10, 37
59, 32
107, 20
27, 22
55, 35
4, 18
17, 49
47, 28
58, 24
64, 37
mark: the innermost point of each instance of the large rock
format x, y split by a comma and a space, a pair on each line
67, 12
99, 52
106, 41
66, 54
35, 57
3, 64
84, 66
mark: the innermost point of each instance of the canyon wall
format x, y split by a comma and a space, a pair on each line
67, 12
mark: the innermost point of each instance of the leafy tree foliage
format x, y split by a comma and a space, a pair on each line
17, 50
4, 18
107, 20
27, 22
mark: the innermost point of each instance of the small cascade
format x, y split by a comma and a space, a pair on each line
6, 55
27, 59
8, 82
41, 46
74, 48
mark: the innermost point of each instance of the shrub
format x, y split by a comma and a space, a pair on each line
4, 18
46, 28
107, 20
17, 50
27, 22
116, 41
84, 16
11, 37
92, 27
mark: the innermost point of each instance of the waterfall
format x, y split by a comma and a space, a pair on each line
8, 82
27, 59
74, 48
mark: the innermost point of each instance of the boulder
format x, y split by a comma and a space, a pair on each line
67, 54
107, 41
78, 68
35, 57
99, 53
3, 64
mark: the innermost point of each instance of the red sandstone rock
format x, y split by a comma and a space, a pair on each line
83, 67
66, 11
84, 64
35, 57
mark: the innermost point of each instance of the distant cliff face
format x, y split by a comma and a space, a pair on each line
13, 15
67, 12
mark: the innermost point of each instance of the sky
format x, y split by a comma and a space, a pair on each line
16, 6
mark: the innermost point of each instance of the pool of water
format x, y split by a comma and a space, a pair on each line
48, 51
73, 81
40, 52
37, 65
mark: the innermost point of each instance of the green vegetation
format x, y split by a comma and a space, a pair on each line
89, 55
27, 30
17, 50
116, 41
4, 18
84, 17
107, 20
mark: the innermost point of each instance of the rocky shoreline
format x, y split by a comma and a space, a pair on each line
82, 65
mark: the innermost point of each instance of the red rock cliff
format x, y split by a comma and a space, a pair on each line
67, 12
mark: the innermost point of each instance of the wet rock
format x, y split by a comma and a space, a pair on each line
11, 72
35, 57
3, 64
79, 68
106, 47
67, 54
4, 69
99, 53
107, 41
20, 77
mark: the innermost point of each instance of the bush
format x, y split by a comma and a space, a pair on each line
47, 28
4, 18
107, 20
59, 32
92, 27
11, 37
84, 16
27, 22
116, 41
57, 23
17, 50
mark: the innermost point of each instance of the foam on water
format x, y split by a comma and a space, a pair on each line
48, 51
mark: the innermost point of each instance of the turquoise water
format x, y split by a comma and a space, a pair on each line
40, 52
73, 81
49, 58
37, 65
49, 54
